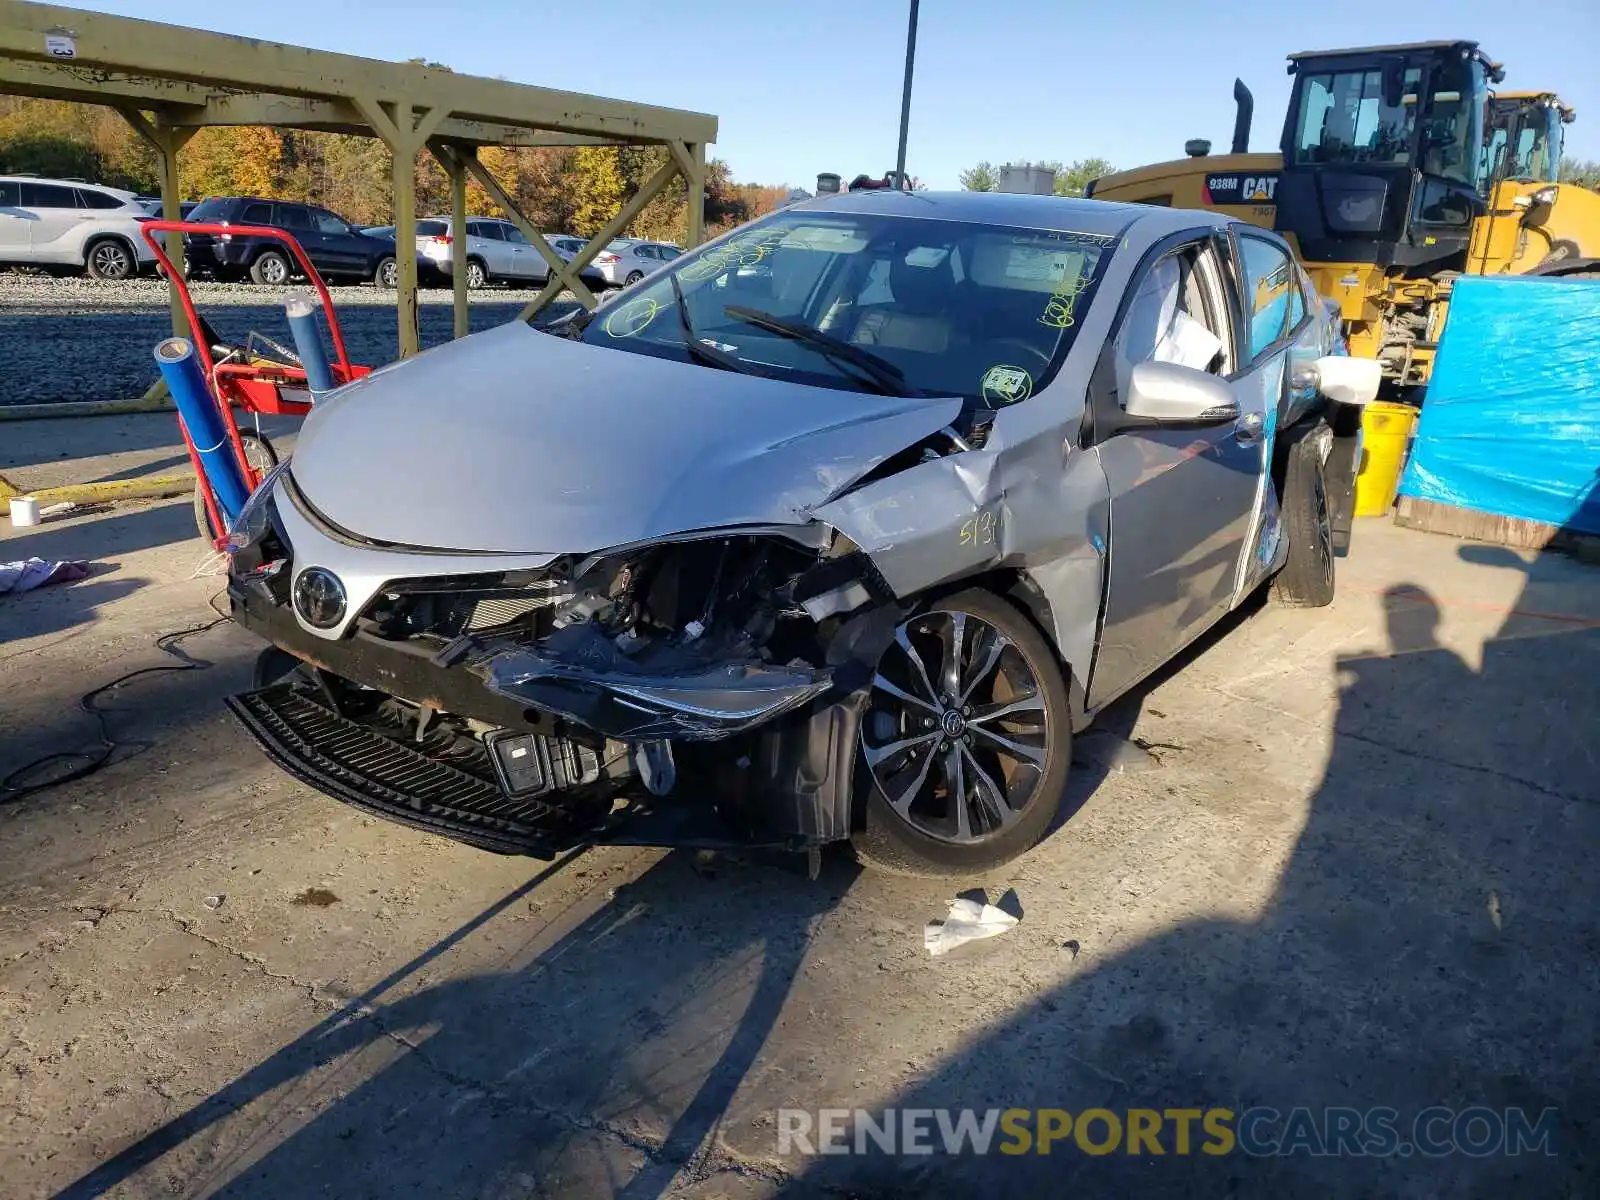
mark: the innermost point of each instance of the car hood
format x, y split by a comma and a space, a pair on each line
519, 441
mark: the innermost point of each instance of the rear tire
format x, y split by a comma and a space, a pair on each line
109, 258
387, 274
923, 836
1306, 580
270, 269
258, 452
633, 278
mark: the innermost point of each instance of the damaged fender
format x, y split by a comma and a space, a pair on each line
997, 507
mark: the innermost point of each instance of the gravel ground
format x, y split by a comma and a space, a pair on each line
103, 352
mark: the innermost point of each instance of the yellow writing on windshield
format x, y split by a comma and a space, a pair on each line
1060, 311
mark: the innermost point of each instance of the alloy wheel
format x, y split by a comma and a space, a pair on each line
1324, 524
474, 275
956, 732
110, 261
274, 270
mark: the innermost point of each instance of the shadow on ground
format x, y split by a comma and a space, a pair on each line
1434, 941
402, 1117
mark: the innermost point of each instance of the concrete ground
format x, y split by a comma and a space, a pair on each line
1359, 872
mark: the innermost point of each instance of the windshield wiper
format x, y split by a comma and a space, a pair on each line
707, 354
889, 378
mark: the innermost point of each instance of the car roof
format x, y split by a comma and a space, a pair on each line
124, 193
1045, 213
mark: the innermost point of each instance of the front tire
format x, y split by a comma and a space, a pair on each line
110, 258
477, 275
270, 269
966, 741
1306, 580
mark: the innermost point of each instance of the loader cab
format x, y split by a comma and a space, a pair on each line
1383, 154
1523, 137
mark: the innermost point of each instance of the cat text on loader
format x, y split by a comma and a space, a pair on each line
1398, 171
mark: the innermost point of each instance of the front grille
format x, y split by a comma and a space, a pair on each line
350, 762
491, 614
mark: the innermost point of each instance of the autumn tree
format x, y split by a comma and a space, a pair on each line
599, 186
231, 160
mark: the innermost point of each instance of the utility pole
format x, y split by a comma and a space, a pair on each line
905, 99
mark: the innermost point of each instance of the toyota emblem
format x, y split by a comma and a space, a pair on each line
319, 597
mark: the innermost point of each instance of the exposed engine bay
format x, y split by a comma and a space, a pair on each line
616, 673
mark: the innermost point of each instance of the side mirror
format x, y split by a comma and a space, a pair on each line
1349, 380
1175, 395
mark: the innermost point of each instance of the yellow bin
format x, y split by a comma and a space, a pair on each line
1385, 430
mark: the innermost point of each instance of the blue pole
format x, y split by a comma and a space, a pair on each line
187, 383
302, 314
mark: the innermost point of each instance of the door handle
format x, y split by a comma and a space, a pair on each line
1248, 427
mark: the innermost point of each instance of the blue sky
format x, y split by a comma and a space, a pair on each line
815, 85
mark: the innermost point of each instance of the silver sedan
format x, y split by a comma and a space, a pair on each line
837, 528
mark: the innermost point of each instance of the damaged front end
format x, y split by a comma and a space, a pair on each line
698, 690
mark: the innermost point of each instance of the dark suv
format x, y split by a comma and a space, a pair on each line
336, 248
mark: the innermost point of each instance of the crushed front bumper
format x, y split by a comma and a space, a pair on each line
350, 762
787, 783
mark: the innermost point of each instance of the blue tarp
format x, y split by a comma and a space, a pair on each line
1511, 421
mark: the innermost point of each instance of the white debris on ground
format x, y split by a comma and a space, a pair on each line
968, 921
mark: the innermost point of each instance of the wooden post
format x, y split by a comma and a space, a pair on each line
404, 134
456, 169
697, 196
167, 140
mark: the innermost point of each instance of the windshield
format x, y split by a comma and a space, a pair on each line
1524, 141
869, 302
1344, 118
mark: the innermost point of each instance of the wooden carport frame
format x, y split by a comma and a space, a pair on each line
168, 82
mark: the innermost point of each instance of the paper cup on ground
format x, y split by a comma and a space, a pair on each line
24, 511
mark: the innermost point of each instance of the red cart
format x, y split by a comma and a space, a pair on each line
240, 377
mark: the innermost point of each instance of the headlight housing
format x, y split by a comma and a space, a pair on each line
255, 517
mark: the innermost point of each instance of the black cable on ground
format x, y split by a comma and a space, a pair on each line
167, 643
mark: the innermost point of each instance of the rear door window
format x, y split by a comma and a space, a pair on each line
48, 195
492, 231
292, 216
254, 214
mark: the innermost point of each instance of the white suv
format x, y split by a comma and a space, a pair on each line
63, 223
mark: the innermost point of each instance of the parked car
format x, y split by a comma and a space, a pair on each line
152, 205
567, 247
628, 260
58, 223
849, 548
496, 251
336, 248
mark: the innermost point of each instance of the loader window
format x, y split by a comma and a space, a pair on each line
1343, 119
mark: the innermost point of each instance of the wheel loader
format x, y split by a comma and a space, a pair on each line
1399, 170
